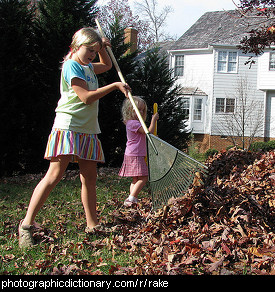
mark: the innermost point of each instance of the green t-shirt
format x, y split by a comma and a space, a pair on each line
71, 113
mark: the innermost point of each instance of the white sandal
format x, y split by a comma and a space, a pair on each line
25, 235
129, 204
98, 229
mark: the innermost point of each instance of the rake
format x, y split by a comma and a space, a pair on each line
171, 172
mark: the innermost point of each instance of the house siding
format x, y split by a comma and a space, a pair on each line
198, 72
226, 86
266, 80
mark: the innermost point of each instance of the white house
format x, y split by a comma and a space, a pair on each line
217, 82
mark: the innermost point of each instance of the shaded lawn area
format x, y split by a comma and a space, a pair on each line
63, 243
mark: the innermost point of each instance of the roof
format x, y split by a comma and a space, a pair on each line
192, 91
162, 46
217, 28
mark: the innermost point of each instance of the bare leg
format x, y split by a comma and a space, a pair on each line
54, 174
88, 175
137, 184
135, 179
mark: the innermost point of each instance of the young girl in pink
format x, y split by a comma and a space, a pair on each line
134, 164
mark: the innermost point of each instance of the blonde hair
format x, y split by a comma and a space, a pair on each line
86, 36
128, 112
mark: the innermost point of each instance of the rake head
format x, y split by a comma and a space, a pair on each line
171, 172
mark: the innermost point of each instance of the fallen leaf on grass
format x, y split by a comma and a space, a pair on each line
8, 257
65, 270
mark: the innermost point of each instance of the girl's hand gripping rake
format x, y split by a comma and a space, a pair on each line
171, 172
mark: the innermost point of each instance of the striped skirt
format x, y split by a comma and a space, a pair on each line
79, 145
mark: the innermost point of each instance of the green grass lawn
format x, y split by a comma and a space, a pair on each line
63, 243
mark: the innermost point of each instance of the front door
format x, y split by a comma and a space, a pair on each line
270, 114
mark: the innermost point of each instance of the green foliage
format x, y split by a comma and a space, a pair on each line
211, 152
17, 83
271, 145
262, 146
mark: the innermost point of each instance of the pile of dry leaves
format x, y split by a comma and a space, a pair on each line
225, 226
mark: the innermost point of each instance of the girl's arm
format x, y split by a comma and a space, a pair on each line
105, 62
87, 96
152, 127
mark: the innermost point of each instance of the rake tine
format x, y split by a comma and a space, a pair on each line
177, 180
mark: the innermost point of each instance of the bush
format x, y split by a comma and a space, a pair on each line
211, 152
271, 144
262, 146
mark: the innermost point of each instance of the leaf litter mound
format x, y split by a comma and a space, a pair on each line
223, 226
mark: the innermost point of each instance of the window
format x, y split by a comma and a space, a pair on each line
225, 105
222, 57
186, 107
220, 105
272, 61
198, 109
179, 65
230, 105
232, 61
227, 62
